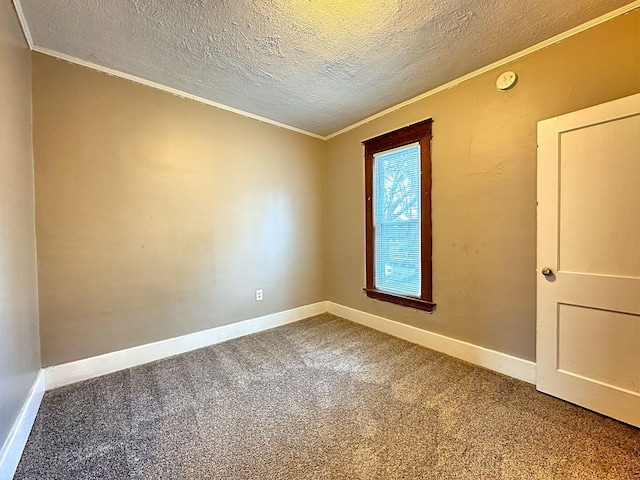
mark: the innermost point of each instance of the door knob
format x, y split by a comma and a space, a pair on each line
546, 271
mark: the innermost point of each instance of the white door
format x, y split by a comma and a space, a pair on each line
588, 302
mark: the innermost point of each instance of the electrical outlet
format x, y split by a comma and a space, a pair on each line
259, 295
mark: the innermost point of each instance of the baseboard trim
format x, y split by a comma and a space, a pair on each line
519, 368
65, 374
13, 446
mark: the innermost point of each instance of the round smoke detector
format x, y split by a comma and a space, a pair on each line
506, 80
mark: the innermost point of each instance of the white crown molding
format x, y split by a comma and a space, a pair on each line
23, 23
519, 368
558, 38
19, 434
164, 88
59, 375
562, 36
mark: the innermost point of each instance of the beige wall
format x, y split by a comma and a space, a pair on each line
158, 216
484, 186
19, 344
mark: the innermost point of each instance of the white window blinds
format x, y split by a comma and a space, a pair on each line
396, 218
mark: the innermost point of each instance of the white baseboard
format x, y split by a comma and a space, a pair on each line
19, 434
493, 360
59, 375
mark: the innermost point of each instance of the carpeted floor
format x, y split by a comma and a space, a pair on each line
319, 399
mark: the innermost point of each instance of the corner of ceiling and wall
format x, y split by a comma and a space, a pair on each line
550, 41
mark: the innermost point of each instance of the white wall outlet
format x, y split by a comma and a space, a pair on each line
258, 295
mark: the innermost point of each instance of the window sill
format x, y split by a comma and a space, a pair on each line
400, 300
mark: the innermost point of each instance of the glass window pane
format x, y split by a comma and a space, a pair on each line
396, 206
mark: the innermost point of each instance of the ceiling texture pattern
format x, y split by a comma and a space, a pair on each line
317, 65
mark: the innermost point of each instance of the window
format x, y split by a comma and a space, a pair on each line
398, 209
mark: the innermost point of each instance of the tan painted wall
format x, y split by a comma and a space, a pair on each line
484, 186
158, 216
19, 343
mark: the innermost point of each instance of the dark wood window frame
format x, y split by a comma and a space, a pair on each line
417, 133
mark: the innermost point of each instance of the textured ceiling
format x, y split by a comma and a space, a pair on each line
318, 65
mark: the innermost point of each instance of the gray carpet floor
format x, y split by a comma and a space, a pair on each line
323, 398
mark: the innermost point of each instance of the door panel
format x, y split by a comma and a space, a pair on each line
588, 332
600, 203
600, 345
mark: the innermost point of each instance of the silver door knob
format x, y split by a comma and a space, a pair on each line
546, 271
